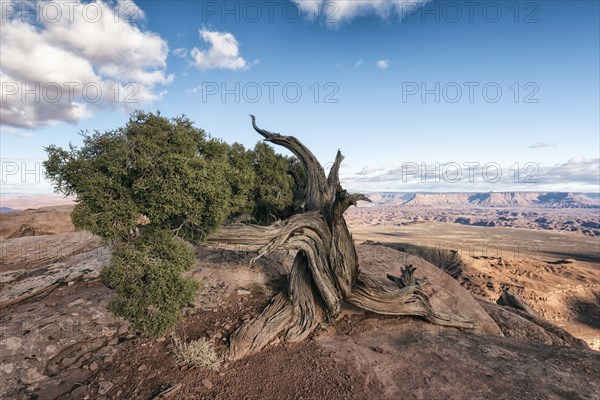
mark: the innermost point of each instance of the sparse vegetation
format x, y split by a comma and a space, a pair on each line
447, 260
198, 352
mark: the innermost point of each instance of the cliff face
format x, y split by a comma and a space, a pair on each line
489, 199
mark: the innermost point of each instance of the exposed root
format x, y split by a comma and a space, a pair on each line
255, 334
369, 294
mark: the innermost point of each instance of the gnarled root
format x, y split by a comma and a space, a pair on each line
258, 332
369, 294
295, 313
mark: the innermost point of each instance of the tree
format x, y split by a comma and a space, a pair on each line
152, 185
325, 271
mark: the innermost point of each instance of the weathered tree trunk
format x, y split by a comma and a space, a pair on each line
325, 271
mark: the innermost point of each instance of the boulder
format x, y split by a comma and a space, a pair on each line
446, 294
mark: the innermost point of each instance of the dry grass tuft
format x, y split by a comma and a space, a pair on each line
197, 352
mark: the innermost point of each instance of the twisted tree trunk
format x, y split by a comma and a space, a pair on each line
325, 271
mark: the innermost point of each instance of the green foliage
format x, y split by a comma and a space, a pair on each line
146, 274
155, 181
273, 192
166, 170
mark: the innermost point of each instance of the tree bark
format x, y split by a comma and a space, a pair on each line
325, 271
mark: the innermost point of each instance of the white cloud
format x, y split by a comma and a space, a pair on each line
578, 170
194, 90
358, 63
92, 56
383, 64
371, 170
180, 52
22, 133
223, 52
577, 175
334, 12
541, 145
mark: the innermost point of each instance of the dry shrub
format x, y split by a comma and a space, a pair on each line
198, 352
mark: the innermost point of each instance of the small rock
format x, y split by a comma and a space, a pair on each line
104, 387
13, 343
31, 376
227, 327
169, 391
242, 292
7, 368
123, 329
152, 376
161, 339
78, 392
70, 283
207, 383
93, 366
379, 350
142, 367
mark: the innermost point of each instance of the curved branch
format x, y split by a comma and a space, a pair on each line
315, 196
299, 196
343, 201
333, 179
265, 239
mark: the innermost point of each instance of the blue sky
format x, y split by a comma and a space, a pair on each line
450, 87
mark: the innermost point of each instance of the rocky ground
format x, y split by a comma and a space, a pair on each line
556, 273
36, 222
59, 341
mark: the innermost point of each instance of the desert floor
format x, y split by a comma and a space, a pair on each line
60, 341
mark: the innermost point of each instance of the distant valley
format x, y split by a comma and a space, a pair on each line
572, 212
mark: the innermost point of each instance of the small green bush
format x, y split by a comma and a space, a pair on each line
146, 274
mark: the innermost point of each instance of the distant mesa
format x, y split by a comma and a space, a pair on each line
6, 209
36, 222
489, 199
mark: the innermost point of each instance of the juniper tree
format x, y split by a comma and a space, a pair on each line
156, 183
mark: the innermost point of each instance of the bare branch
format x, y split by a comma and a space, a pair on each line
315, 195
